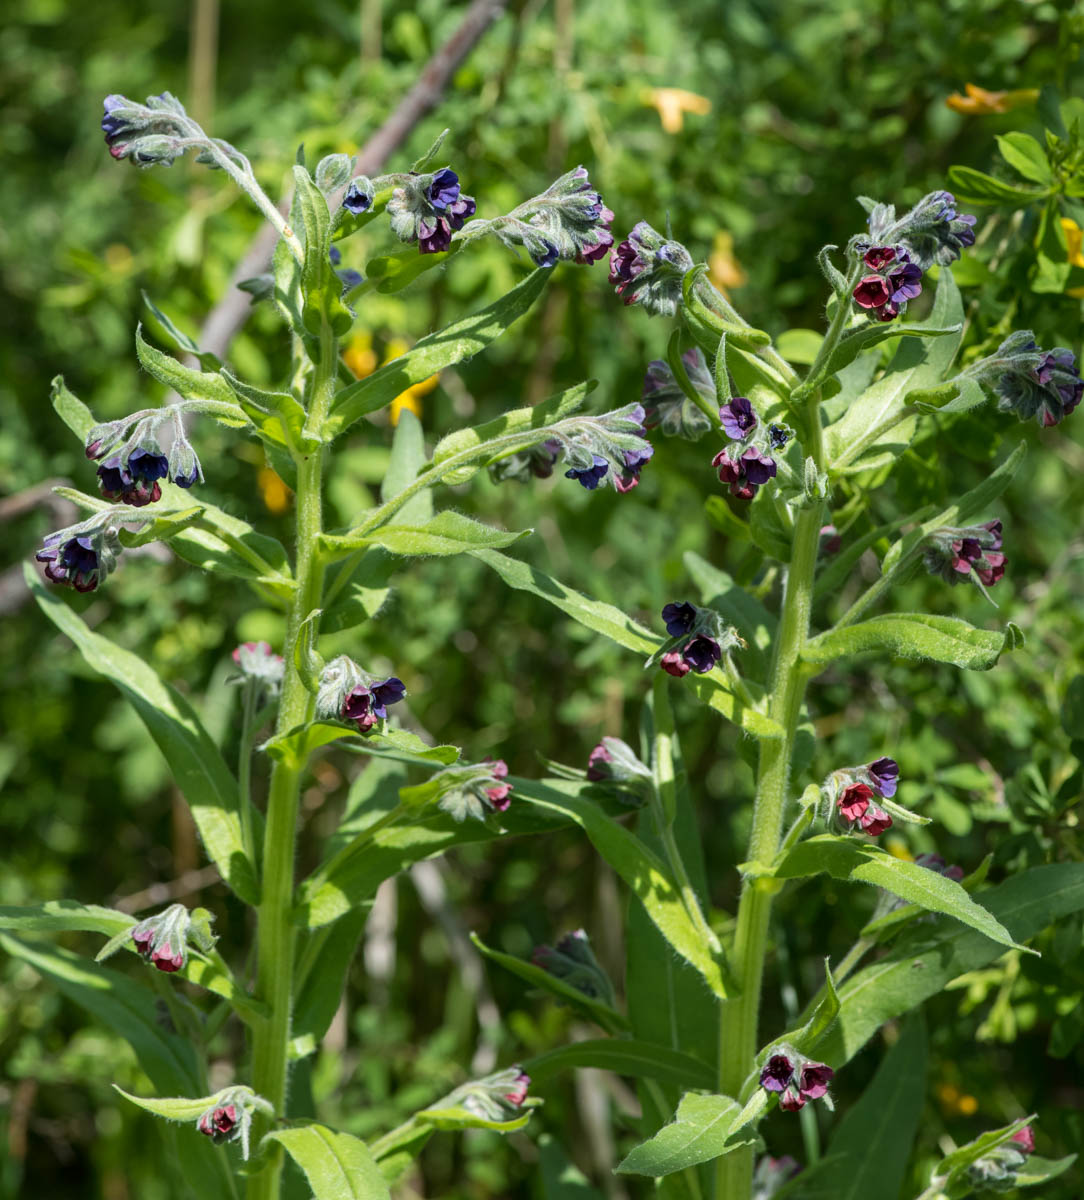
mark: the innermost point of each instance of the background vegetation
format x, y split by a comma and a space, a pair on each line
752, 125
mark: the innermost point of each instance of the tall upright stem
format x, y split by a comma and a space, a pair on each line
738, 1029
276, 934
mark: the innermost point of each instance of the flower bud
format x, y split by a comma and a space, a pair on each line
1031, 382
259, 663
971, 553
359, 196
332, 171
573, 962
744, 472
348, 693
162, 940
498, 1097
148, 134
184, 467
648, 269
473, 790
614, 762
229, 1118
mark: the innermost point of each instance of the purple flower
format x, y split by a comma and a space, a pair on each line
590, 476
814, 1080
777, 1073
885, 773
428, 208
745, 473
596, 772
679, 617
673, 663
666, 405
957, 554
1035, 383
219, 1124
602, 239
853, 801
443, 191
368, 704
72, 563
778, 436
113, 126
649, 269
358, 197
133, 479
702, 653
895, 281
499, 793
544, 253
934, 232
738, 418
635, 461
830, 540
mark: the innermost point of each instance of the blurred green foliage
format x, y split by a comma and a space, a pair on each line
810, 103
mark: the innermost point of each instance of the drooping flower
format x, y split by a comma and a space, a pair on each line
358, 197
649, 269
930, 232
228, 1117
673, 663
615, 762
635, 461
856, 809
894, 280
162, 940
220, 1124
958, 555
590, 477
132, 477
1031, 382
679, 617
701, 653
147, 134
777, 1073
472, 790
1025, 1139
797, 1080
746, 472
667, 407
884, 773
72, 563
428, 208
499, 792
573, 962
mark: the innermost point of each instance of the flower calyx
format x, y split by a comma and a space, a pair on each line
347, 693
497, 1098
163, 940
970, 554
698, 640
425, 208
614, 763
229, 1116
859, 799
473, 790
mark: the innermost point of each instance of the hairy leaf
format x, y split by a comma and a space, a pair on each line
698, 1133
337, 1166
916, 635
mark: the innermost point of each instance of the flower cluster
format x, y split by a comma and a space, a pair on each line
614, 762
163, 939
78, 562
497, 1098
425, 208
133, 478
573, 962
473, 790
997, 1170
796, 1079
852, 792
130, 465
259, 664
1030, 382
931, 232
747, 464
893, 280
228, 1117
568, 221
612, 448
648, 269
146, 134
971, 553
698, 639
348, 693
667, 407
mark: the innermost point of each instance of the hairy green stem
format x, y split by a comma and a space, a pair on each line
244, 769
738, 1028
276, 934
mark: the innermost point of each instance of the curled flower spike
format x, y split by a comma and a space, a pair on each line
970, 553
427, 209
666, 405
796, 1080
499, 1097
931, 232
146, 134
1030, 382
745, 472
573, 962
648, 269
698, 640
996, 1171
472, 790
894, 281
536, 462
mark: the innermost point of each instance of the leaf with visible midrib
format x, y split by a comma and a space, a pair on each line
336, 1165
698, 1133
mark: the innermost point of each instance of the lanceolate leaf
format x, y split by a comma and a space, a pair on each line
974, 187
198, 767
451, 345
299, 743
639, 867
55, 916
174, 1108
192, 385
447, 533
71, 410
698, 1133
625, 1056
336, 1165
865, 337
846, 858
916, 635
925, 959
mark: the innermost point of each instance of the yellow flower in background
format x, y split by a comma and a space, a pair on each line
1074, 236
980, 102
897, 847
412, 397
276, 495
359, 355
673, 103
724, 270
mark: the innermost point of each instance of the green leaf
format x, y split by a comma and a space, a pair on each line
192, 385
956, 396
639, 867
918, 636
181, 341
726, 520
447, 533
924, 960
799, 346
975, 187
456, 1118
530, 422
867, 1155
952, 1167
875, 428
279, 417
321, 990
1024, 154
55, 916
864, 337
299, 743
365, 592
123, 1004
845, 858
458, 341
1039, 1170
972, 506
173, 1108
561, 1179
746, 613
712, 689
698, 1133
595, 1010
767, 529
594, 614
406, 463
198, 767
624, 1056
230, 546
389, 273
807, 1038
336, 1165
71, 410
